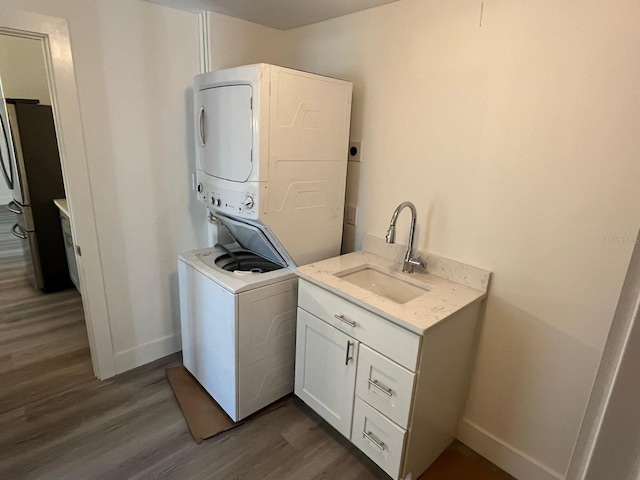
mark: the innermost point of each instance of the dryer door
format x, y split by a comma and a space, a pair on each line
225, 132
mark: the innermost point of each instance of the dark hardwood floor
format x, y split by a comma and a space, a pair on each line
43, 338
58, 422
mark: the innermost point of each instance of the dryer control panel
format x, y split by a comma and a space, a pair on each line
237, 199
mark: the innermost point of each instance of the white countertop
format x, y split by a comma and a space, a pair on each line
444, 297
61, 203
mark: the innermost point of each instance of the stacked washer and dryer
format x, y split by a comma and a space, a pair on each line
271, 161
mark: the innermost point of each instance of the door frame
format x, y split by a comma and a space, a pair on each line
54, 34
612, 412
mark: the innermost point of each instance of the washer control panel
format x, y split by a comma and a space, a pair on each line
241, 200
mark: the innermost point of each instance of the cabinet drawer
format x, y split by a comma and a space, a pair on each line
382, 335
378, 437
384, 385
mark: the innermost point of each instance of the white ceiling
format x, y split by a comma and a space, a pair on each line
282, 14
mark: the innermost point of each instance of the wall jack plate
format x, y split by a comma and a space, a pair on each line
351, 214
354, 151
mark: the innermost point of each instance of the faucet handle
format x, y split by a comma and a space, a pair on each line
417, 262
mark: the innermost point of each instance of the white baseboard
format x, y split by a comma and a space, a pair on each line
148, 352
513, 461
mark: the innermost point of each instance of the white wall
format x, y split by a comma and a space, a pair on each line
236, 42
134, 66
23, 75
148, 210
517, 141
22, 69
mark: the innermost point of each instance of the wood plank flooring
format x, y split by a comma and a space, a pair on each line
44, 347
58, 422
10, 246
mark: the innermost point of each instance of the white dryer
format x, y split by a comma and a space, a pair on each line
271, 159
272, 147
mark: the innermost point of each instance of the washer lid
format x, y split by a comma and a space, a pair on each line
257, 238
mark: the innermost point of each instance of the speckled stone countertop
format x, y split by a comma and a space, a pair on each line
444, 297
61, 203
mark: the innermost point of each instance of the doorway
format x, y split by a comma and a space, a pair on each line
53, 35
33, 180
43, 335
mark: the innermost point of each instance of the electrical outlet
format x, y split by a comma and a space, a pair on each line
351, 214
354, 151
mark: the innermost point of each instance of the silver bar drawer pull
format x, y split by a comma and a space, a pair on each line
342, 318
382, 388
369, 436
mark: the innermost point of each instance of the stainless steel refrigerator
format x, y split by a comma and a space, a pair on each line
31, 168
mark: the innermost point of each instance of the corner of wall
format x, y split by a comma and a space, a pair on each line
148, 352
506, 456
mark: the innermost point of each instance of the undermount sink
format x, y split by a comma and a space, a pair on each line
383, 284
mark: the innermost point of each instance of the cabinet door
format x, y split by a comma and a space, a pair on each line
326, 370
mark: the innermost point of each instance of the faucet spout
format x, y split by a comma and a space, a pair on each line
390, 237
409, 260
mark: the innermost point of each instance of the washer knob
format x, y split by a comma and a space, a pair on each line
248, 202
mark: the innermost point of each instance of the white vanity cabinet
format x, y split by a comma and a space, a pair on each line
397, 395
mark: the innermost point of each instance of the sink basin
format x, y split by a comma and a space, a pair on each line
380, 283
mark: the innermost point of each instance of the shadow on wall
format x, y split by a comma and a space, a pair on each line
516, 345
194, 216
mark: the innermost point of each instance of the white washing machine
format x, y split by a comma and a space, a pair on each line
271, 159
238, 311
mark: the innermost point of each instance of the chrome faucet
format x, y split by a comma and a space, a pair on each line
409, 260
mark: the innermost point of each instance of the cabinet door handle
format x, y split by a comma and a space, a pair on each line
347, 357
201, 125
342, 318
370, 437
382, 388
